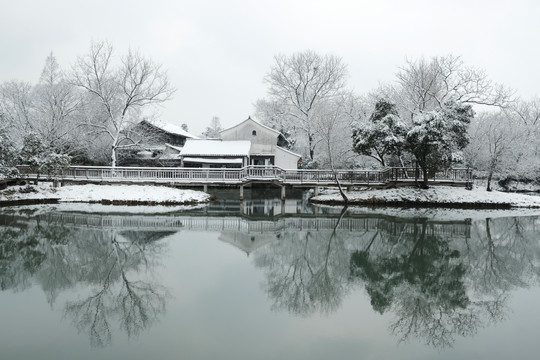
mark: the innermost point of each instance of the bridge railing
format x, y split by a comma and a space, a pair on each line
251, 173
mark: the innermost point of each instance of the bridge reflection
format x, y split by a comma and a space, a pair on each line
250, 225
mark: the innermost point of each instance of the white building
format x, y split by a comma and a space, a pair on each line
264, 144
248, 143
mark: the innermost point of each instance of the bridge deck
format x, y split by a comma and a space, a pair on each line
250, 174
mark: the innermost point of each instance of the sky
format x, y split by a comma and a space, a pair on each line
217, 52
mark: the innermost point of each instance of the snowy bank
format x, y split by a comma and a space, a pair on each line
442, 196
105, 194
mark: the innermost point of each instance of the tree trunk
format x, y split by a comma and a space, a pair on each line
311, 149
425, 181
342, 193
113, 157
405, 175
490, 175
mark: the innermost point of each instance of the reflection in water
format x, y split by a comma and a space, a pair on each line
439, 279
108, 263
424, 283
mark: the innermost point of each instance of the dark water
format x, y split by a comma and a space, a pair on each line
266, 280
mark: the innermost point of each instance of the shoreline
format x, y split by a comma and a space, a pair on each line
126, 195
416, 204
433, 197
135, 195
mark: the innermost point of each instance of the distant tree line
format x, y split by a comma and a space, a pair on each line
84, 115
437, 113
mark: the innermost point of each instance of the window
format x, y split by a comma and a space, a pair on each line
254, 133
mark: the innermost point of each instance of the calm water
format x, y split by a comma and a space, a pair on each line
266, 280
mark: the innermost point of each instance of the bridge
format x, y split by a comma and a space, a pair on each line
251, 174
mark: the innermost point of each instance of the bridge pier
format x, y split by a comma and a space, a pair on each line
316, 191
283, 192
241, 192
205, 188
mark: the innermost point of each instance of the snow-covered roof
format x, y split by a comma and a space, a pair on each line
255, 121
288, 151
170, 128
196, 147
177, 148
213, 161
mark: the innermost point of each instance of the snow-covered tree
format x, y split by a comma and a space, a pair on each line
16, 106
33, 153
120, 93
382, 135
437, 136
8, 152
42, 159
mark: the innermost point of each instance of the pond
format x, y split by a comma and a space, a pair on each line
264, 279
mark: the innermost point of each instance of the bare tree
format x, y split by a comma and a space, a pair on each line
212, 131
57, 105
425, 85
121, 92
527, 150
332, 127
16, 106
301, 83
48, 109
493, 138
505, 143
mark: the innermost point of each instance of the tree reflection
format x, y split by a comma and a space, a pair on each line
135, 304
305, 270
425, 285
439, 279
439, 287
116, 267
438, 282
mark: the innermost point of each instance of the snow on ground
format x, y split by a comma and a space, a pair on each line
96, 193
444, 195
103, 209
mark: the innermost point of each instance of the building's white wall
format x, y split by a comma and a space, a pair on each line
285, 159
265, 142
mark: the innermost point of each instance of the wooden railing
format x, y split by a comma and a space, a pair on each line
250, 174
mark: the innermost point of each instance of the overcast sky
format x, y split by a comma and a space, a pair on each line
218, 52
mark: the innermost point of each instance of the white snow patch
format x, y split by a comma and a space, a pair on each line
195, 147
90, 193
436, 194
104, 209
171, 128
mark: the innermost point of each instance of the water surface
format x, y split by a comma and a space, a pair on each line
268, 280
